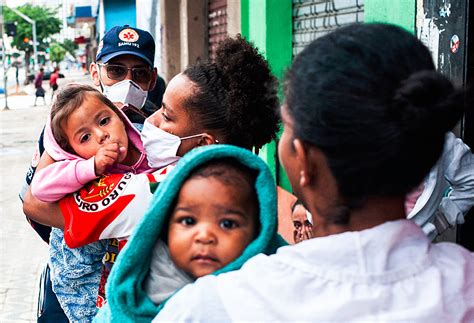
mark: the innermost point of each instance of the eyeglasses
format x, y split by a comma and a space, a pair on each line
119, 72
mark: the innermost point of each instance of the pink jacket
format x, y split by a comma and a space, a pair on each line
70, 172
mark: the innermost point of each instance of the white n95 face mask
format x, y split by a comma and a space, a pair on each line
126, 92
160, 146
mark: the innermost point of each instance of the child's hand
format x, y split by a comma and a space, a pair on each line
106, 156
306, 233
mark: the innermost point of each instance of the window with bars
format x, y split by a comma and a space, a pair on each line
217, 21
315, 18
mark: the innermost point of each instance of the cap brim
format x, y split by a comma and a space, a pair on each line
108, 57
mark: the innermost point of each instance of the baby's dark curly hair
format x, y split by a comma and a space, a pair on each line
236, 96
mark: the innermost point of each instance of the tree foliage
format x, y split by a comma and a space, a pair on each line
70, 46
47, 24
56, 52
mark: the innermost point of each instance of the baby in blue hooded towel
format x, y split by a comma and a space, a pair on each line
213, 212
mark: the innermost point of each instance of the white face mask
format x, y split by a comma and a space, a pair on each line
126, 92
160, 146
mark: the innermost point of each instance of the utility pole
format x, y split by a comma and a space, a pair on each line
33, 23
64, 30
4, 61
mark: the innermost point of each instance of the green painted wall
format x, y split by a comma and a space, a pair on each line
398, 12
268, 24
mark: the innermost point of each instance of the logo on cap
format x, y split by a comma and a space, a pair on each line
128, 35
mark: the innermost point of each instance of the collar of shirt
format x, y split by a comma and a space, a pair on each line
386, 253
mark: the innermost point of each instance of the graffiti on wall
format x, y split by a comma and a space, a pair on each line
441, 26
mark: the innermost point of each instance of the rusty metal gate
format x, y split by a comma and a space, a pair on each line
217, 20
315, 18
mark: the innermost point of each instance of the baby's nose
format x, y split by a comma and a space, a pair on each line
205, 235
103, 136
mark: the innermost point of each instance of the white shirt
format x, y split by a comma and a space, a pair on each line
387, 273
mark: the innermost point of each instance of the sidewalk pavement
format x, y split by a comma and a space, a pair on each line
22, 253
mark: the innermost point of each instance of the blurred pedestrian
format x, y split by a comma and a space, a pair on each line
53, 81
40, 92
17, 78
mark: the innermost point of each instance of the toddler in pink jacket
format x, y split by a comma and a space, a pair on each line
85, 137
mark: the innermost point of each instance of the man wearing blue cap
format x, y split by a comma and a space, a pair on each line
124, 70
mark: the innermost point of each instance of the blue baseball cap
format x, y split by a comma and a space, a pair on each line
121, 40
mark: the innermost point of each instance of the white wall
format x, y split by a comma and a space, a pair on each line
148, 18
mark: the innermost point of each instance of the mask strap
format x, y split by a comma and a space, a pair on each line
198, 135
102, 86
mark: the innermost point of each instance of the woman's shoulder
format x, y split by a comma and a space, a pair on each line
447, 254
455, 265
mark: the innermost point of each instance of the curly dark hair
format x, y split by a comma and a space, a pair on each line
236, 96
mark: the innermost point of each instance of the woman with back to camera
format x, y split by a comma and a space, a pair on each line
364, 121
